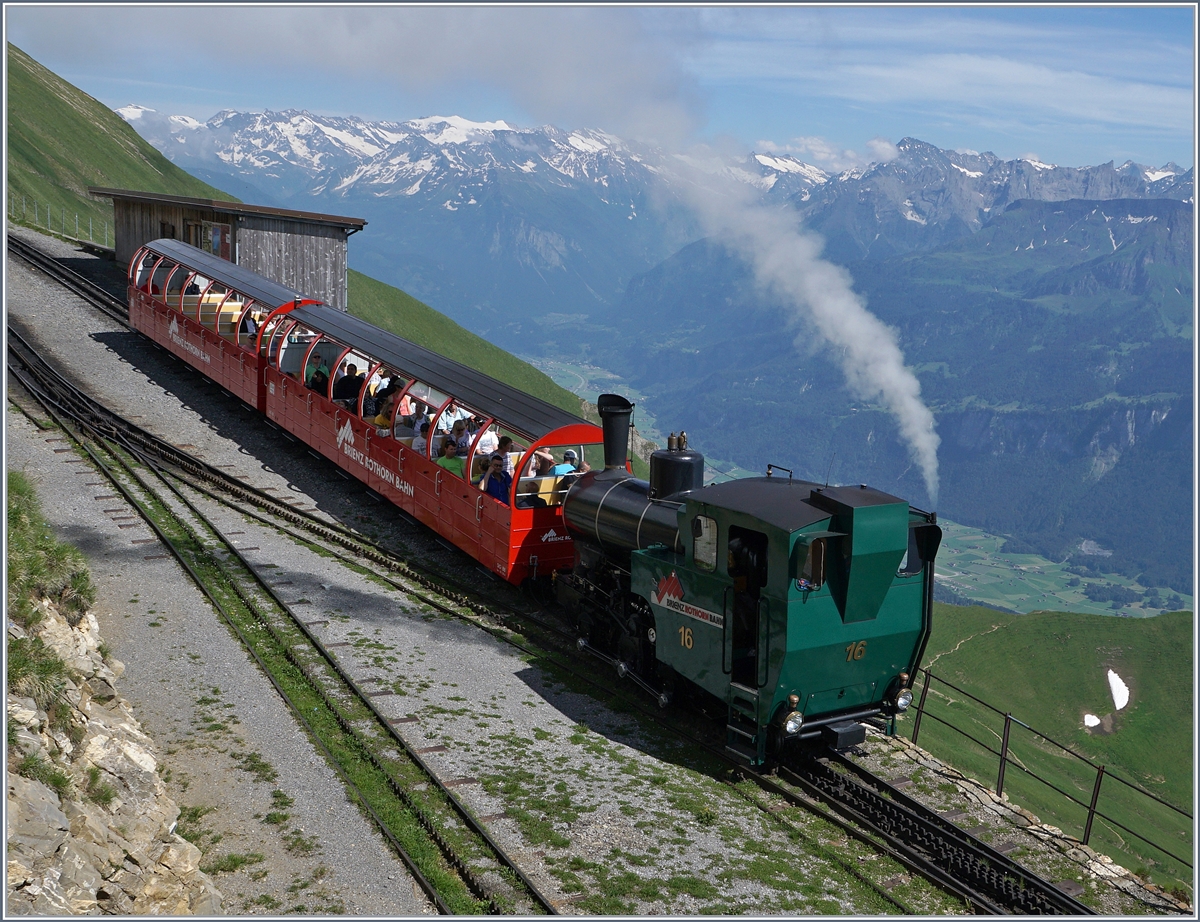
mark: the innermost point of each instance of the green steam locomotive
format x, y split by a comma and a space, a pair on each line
803, 609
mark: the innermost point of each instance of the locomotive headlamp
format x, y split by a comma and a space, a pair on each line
792, 723
904, 699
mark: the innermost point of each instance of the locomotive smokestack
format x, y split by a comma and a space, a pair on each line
614, 417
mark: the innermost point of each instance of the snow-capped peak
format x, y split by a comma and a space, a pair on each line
186, 121
784, 164
132, 112
453, 129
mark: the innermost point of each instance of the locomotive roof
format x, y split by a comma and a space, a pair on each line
248, 283
786, 503
521, 412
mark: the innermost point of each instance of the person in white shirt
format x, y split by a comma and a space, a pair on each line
420, 441
488, 442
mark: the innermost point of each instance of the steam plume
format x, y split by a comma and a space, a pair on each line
788, 262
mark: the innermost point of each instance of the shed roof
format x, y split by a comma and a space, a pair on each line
248, 283
523, 413
233, 208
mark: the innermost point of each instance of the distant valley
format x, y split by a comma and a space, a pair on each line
1047, 310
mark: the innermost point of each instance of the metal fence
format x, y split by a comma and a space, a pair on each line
43, 217
1152, 810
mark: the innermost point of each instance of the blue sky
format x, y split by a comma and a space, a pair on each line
1073, 84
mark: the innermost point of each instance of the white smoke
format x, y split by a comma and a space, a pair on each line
788, 262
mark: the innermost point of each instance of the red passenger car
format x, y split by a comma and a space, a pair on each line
359, 395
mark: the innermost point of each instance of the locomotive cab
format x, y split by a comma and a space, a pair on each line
804, 609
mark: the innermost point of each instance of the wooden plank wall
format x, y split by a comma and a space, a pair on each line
137, 223
308, 257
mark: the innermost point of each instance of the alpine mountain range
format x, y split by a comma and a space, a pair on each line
1046, 309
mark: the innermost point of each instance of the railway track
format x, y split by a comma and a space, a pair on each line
865, 807
468, 871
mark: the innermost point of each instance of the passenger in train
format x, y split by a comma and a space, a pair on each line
249, 327
527, 495
505, 447
570, 464
541, 464
451, 415
383, 418
497, 482
407, 407
319, 381
489, 442
462, 437
348, 385
451, 460
420, 441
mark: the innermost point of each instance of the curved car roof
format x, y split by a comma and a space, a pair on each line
522, 413
234, 276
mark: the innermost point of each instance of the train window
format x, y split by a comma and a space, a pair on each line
250, 318
293, 348
268, 332
384, 391
213, 310
144, 270
158, 283
704, 543
279, 338
426, 401
349, 379
232, 309
195, 297
318, 367
812, 571
173, 291
922, 545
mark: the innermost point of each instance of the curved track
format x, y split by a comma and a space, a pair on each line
282, 635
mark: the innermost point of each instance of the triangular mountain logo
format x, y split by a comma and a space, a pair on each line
345, 435
669, 586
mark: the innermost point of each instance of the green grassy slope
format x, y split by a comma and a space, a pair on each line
61, 140
402, 314
1049, 669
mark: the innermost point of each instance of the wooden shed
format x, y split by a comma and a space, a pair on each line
303, 250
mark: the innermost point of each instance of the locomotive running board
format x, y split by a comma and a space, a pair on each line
624, 672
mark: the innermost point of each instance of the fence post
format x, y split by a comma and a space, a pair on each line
1087, 830
1003, 755
921, 706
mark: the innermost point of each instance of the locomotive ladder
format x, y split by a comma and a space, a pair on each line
744, 740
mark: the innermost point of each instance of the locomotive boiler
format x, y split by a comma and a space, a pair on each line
803, 609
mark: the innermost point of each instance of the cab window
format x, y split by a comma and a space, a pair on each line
704, 543
812, 571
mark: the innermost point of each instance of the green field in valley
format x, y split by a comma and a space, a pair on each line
972, 564
1054, 672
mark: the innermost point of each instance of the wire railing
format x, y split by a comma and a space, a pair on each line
41, 215
1006, 758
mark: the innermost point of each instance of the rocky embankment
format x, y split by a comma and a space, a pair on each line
90, 828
